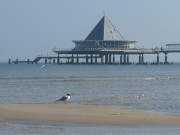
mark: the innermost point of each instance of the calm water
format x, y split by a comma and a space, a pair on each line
108, 85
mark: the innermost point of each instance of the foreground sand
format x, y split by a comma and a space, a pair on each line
89, 114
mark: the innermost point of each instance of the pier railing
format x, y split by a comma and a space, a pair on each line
103, 49
62, 49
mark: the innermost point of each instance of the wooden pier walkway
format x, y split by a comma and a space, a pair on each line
103, 56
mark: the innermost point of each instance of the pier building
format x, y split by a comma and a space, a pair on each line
103, 42
104, 36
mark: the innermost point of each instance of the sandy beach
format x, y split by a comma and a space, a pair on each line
84, 114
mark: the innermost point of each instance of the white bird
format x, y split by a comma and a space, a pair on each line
139, 96
42, 66
64, 98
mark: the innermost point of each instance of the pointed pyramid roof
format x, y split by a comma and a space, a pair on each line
104, 30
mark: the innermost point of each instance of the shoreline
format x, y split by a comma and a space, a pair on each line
83, 114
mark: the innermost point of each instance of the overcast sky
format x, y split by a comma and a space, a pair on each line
32, 27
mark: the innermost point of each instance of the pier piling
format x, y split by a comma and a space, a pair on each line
102, 60
165, 61
91, 58
54, 61
72, 59
9, 61
95, 59
28, 61
124, 58
157, 58
16, 61
58, 59
139, 58
121, 59
45, 61
77, 59
113, 59
127, 59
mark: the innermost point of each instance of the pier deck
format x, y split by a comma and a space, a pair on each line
105, 56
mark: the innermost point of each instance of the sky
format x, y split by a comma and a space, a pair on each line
33, 27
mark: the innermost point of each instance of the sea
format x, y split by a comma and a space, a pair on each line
148, 88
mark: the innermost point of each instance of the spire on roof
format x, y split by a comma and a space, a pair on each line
104, 30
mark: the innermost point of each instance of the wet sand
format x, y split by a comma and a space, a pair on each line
83, 114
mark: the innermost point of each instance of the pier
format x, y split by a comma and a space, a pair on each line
104, 45
105, 56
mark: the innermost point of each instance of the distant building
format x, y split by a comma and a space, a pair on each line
173, 46
104, 36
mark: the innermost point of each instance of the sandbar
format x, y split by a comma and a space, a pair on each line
83, 114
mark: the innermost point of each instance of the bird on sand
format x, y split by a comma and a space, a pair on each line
64, 98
